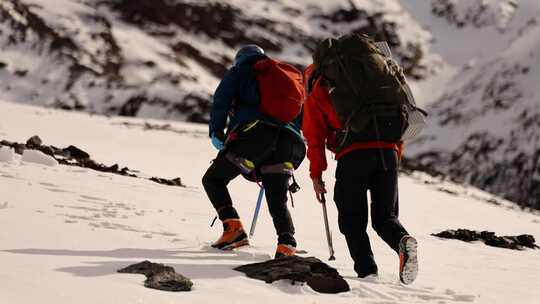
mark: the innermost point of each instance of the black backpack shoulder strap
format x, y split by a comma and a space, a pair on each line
312, 79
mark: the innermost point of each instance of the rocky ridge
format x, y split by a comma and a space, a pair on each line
161, 59
484, 130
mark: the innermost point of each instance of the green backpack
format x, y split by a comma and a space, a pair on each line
366, 90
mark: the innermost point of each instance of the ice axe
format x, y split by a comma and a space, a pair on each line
328, 233
256, 213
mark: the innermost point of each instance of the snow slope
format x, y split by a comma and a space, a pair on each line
64, 231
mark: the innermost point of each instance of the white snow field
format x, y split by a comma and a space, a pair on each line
64, 231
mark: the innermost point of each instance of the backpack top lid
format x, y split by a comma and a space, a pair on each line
346, 45
246, 52
358, 43
281, 89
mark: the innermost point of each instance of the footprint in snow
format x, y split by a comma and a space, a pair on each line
7, 175
388, 292
58, 190
92, 198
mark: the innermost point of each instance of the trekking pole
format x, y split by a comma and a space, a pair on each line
256, 213
328, 233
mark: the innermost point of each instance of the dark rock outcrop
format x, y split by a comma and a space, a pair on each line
74, 156
169, 182
34, 142
103, 70
318, 275
74, 152
490, 239
476, 14
159, 276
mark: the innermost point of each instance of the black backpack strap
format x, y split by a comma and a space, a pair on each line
312, 79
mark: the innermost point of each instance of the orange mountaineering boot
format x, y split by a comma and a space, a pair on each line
233, 235
284, 250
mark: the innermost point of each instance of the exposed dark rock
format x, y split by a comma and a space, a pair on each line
409, 165
74, 152
147, 268
21, 73
494, 161
476, 161
73, 156
34, 142
164, 127
216, 67
194, 107
47, 150
448, 191
169, 182
100, 69
159, 276
168, 281
490, 239
18, 147
477, 14
91, 164
216, 20
318, 275
227, 23
131, 107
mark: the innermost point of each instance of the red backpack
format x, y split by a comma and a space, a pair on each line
281, 89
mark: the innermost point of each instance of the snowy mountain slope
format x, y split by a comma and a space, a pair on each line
476, 13
484, 128
163, 59
64, 231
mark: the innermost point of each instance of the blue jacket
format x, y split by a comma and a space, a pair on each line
237, 98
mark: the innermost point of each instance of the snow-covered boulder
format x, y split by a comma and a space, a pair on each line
38, 157
7, 154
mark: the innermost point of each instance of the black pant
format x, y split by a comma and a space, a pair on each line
263, 145
357, 172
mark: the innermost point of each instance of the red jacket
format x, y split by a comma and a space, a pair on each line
320, 125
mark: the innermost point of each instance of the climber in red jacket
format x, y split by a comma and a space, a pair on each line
363, 164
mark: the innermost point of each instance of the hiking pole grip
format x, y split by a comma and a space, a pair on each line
328, 233
256, 212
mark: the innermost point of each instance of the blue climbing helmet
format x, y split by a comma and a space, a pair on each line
247, 51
